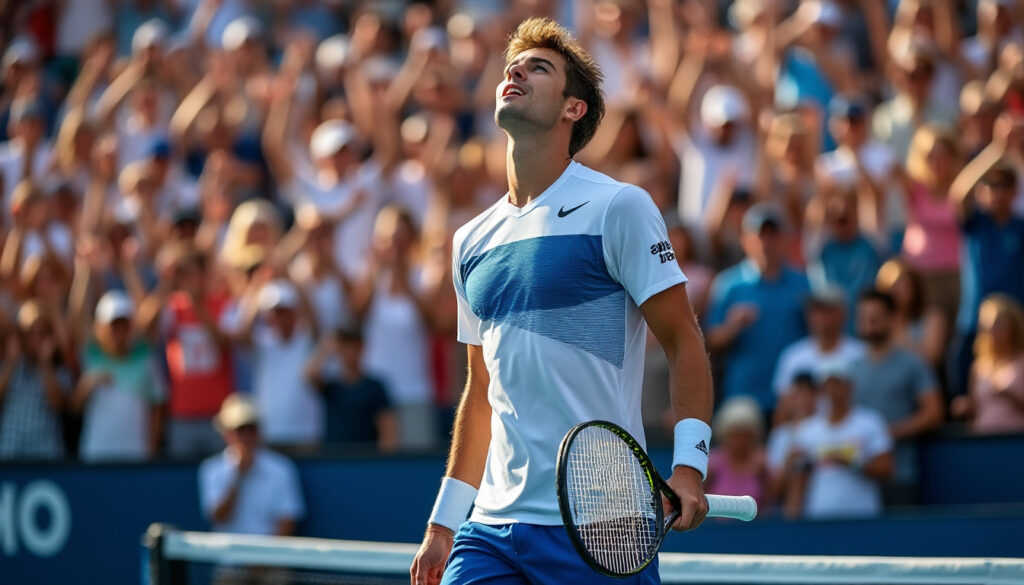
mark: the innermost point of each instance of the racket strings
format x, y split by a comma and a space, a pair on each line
612, 501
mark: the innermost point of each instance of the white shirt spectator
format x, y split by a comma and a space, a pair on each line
291, 411
397, 346
12, 163
835, 489
806, 356
705, 163
359, 197
269, 492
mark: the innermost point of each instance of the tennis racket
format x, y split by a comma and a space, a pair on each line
609, 494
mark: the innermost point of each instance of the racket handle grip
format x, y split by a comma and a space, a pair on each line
735, 507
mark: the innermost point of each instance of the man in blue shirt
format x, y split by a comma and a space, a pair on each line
993, 243
757, 307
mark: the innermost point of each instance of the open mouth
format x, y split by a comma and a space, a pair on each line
512, 90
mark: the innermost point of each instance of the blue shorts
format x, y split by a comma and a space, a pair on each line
525, 554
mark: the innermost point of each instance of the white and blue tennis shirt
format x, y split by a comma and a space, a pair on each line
550, 291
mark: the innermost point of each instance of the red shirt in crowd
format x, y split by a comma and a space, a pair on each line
200, 371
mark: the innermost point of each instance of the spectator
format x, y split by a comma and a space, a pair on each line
841, 455
859, 156
716, 141
843, 240
737, 467
995, 403
185, 313
247, 488
895, 121
922, 330
993, 241
799, 403
359, 412
826, 311
34, 387
931, 244
897, 385
756, 308
26, 155
316, 269
121, 392
399, 314
282, 340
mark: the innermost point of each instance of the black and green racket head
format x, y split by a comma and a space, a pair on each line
610, 498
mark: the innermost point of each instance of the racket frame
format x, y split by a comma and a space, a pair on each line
659, 487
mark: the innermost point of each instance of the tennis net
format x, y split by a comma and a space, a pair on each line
176, 557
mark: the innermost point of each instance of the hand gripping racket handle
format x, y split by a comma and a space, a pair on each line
735, 507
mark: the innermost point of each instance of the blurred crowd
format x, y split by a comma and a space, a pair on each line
207, 198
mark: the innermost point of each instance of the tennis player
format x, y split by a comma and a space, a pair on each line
555, 283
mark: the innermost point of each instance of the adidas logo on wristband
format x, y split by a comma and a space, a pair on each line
702, 447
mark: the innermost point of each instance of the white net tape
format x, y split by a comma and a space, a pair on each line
395, 559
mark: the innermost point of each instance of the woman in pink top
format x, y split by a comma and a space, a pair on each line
737, 467
996, 400
931, 243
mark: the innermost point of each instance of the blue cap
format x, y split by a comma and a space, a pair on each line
159, 149
847, 106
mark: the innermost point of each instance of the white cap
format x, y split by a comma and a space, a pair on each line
834, 368
236, 412
333, 52
114, 305
22, 50
1006, 3
240, 30
741, 412
330, 137
380, 69
722, 104
430, 38
823, 12
278, 294
151, 33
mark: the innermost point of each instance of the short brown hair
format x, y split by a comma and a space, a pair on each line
582, 75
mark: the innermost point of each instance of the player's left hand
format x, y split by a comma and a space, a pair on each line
688, 484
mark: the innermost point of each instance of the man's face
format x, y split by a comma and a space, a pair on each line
532, 93
825, 319
837, 390
874, 323
766, 246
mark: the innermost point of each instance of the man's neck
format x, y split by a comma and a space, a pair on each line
828, 343
533, 164
838, 413
879, 349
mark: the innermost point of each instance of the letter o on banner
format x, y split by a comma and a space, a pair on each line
48, 541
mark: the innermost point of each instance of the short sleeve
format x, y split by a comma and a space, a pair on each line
636, 247
469, 323
924, 379
289, 501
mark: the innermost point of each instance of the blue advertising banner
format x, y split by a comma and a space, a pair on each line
61, 520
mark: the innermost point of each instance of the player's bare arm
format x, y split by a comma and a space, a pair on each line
690, 385
470, 439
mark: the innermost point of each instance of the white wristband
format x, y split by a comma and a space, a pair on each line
454, 500
692, 441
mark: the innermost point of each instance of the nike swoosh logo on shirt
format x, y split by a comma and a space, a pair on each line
562, 212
